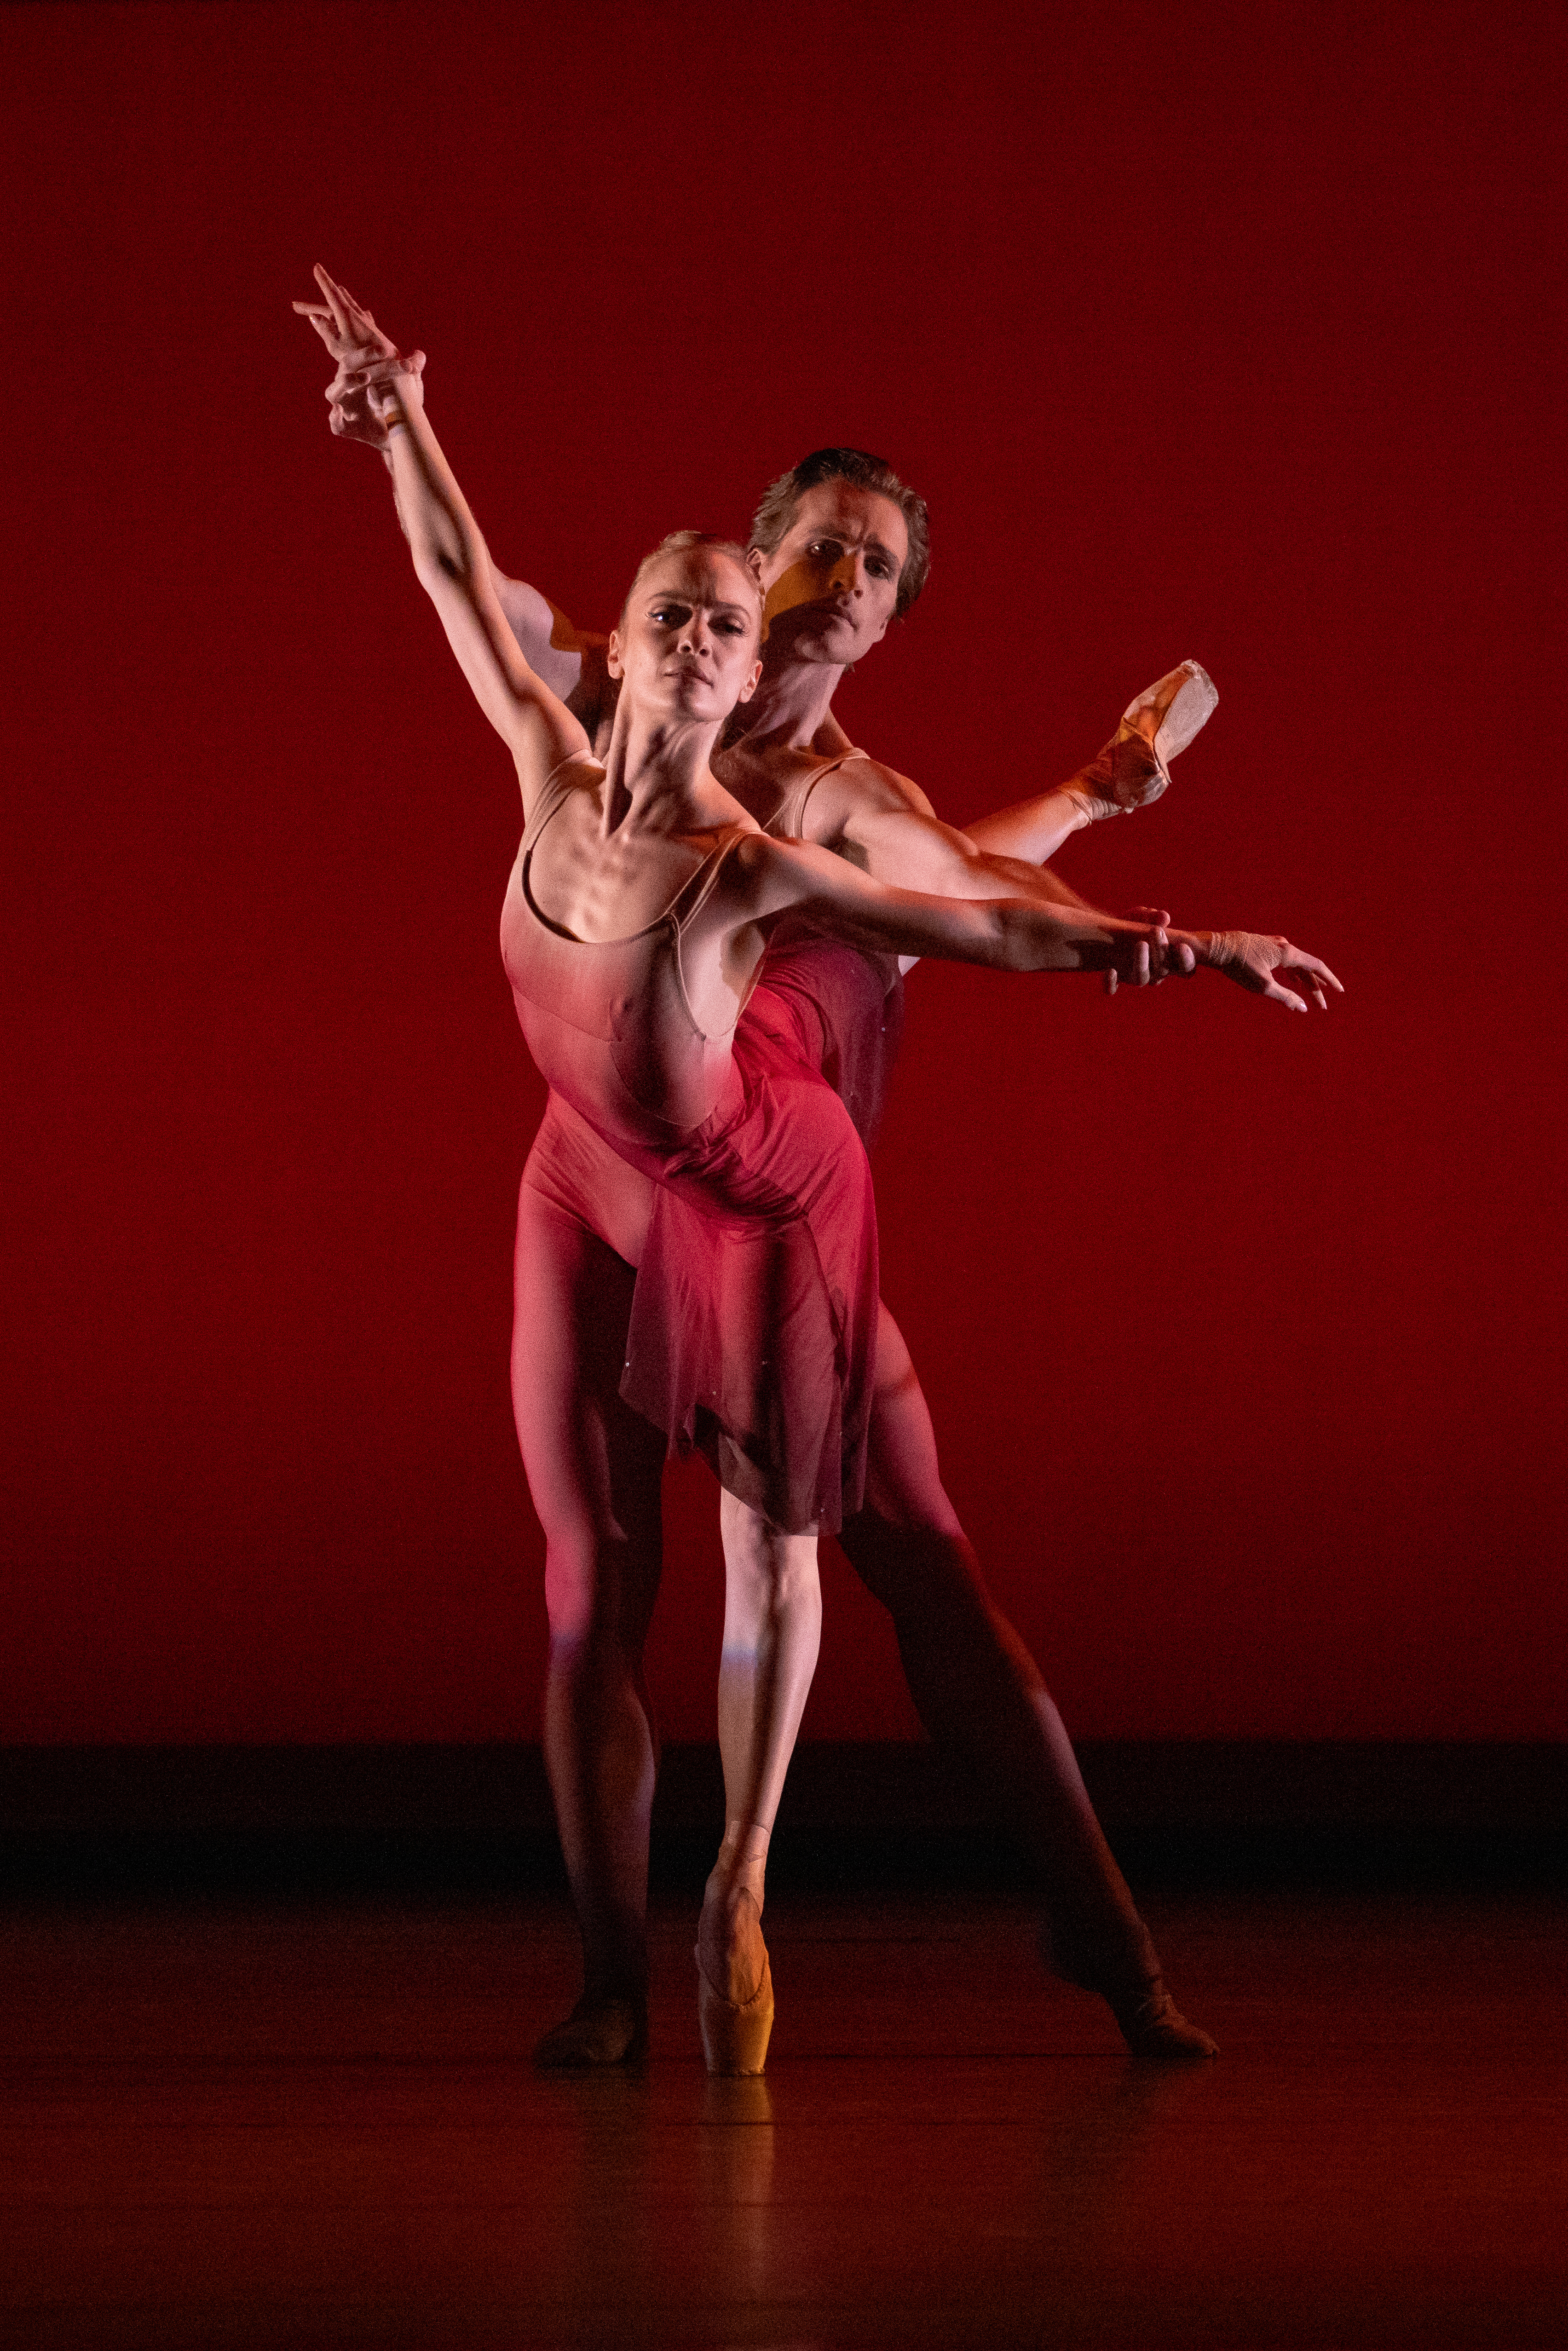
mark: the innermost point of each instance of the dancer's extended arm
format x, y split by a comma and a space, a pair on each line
454, 568
881, 818
1008, 933
569, 660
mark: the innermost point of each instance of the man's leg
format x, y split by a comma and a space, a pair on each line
981, 1694
594, 1469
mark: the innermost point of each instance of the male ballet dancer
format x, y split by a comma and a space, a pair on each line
839, 547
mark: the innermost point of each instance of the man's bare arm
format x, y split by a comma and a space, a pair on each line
887, 826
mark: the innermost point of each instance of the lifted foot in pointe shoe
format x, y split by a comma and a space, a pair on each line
603, 2030
735, 1984
1133, 768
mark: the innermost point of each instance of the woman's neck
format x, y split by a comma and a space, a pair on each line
657, 773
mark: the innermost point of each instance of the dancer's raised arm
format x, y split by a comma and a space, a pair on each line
450, 557
570, 660
879, 818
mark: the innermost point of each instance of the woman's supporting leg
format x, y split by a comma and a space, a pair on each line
772, 1628
594, 1469
981, 1696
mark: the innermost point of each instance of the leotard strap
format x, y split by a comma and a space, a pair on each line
550, 799
789, 822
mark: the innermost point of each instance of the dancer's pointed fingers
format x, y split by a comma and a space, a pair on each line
1285, 996
334, 294
1321, 972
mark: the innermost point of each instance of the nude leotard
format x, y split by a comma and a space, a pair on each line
752, 1329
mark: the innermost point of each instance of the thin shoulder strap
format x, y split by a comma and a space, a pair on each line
828, 768
553, 795
700, 886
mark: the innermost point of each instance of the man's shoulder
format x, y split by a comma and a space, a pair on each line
863, 783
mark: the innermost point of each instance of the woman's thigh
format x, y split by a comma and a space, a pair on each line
593, 1465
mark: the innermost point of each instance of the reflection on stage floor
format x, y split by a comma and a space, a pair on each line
317, 2123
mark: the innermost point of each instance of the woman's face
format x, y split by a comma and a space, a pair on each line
687, 644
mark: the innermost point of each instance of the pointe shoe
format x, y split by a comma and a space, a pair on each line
1156, 726
735, 2032
1133, 1990
599, 2032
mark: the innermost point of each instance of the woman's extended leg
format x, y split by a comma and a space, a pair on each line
594, 1469
981, 1694
773, 1627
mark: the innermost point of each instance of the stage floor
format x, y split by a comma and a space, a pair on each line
317, 2124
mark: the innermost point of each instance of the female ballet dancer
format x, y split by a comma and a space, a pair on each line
976, 1684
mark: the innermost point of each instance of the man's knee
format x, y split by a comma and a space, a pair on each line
598, 1585
905, 1566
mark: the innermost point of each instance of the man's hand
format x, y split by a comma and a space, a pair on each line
1178, 962
1253, 961
1141, 958
368, 359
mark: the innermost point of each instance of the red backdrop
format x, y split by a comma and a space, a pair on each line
1226, 333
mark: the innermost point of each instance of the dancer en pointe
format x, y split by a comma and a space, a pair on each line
974, 1682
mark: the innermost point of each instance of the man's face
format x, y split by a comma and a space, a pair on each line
832, 582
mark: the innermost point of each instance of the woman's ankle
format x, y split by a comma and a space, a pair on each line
742, 1865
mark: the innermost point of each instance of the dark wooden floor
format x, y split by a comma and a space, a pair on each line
318, 2124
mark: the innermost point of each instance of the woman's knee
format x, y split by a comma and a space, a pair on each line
767, 1570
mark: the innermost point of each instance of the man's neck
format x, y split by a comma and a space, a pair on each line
792, 704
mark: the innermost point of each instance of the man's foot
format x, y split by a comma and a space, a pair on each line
603, 2030
1157, 2030
1127, 1978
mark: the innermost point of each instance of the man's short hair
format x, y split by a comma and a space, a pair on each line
780, 500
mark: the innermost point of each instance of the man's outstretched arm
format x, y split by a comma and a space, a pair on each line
571, 660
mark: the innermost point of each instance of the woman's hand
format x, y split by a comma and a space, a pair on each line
361, 395
1253, 961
